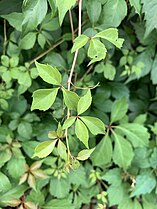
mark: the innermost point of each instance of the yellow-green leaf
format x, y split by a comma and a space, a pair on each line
49, 74
85, 154
84, 102
79, 42
44, 149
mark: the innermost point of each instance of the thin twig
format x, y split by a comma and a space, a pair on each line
72, 70
5, 35
89, 69
45, 52
72, 26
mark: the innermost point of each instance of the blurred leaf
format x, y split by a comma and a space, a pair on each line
85, 154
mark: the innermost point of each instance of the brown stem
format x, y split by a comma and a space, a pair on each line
45, 52
5, 36
72, 26
72, 70
88, 71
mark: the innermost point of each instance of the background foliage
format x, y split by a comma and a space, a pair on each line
121, 171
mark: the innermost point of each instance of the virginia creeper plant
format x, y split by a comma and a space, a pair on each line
78, 104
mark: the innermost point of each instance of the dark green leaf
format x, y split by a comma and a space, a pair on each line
34, 13
63, 7
123, 152
103, 152
119, 109
28, 41
93, 10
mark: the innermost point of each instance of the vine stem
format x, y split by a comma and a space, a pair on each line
72, 71
72, 26
46, 52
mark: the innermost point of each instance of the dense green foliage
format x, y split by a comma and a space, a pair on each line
85, 138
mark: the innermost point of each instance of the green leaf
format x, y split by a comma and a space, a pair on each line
63, 7
59, 187
44, 149
61, 148
68, 122
123, 153
103, 152
113, 176
153, 71
136, 133
149, 8
15, 20
43, 99
15, 192
119, 109
28, 41
95, 125
85, 154
109, 71
113, 13
34, 12
5, 184
137, 5
16, 167
145, 183
25, 129
111, 35
5, 156
153, 158
96, 51
71, 99
49, 74
81, 132
84, 102
79, 42
78, 176
59, 204
93, 10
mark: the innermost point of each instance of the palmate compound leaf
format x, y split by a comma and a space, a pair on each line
44, 148
79, 42
44, 98
96, 51
71, 99
81, 132
136, 133
145, 183
123, 152
95, 125
63, 7
84, 102
49, 74
102, 154
111, 35
149, 8
85, 154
